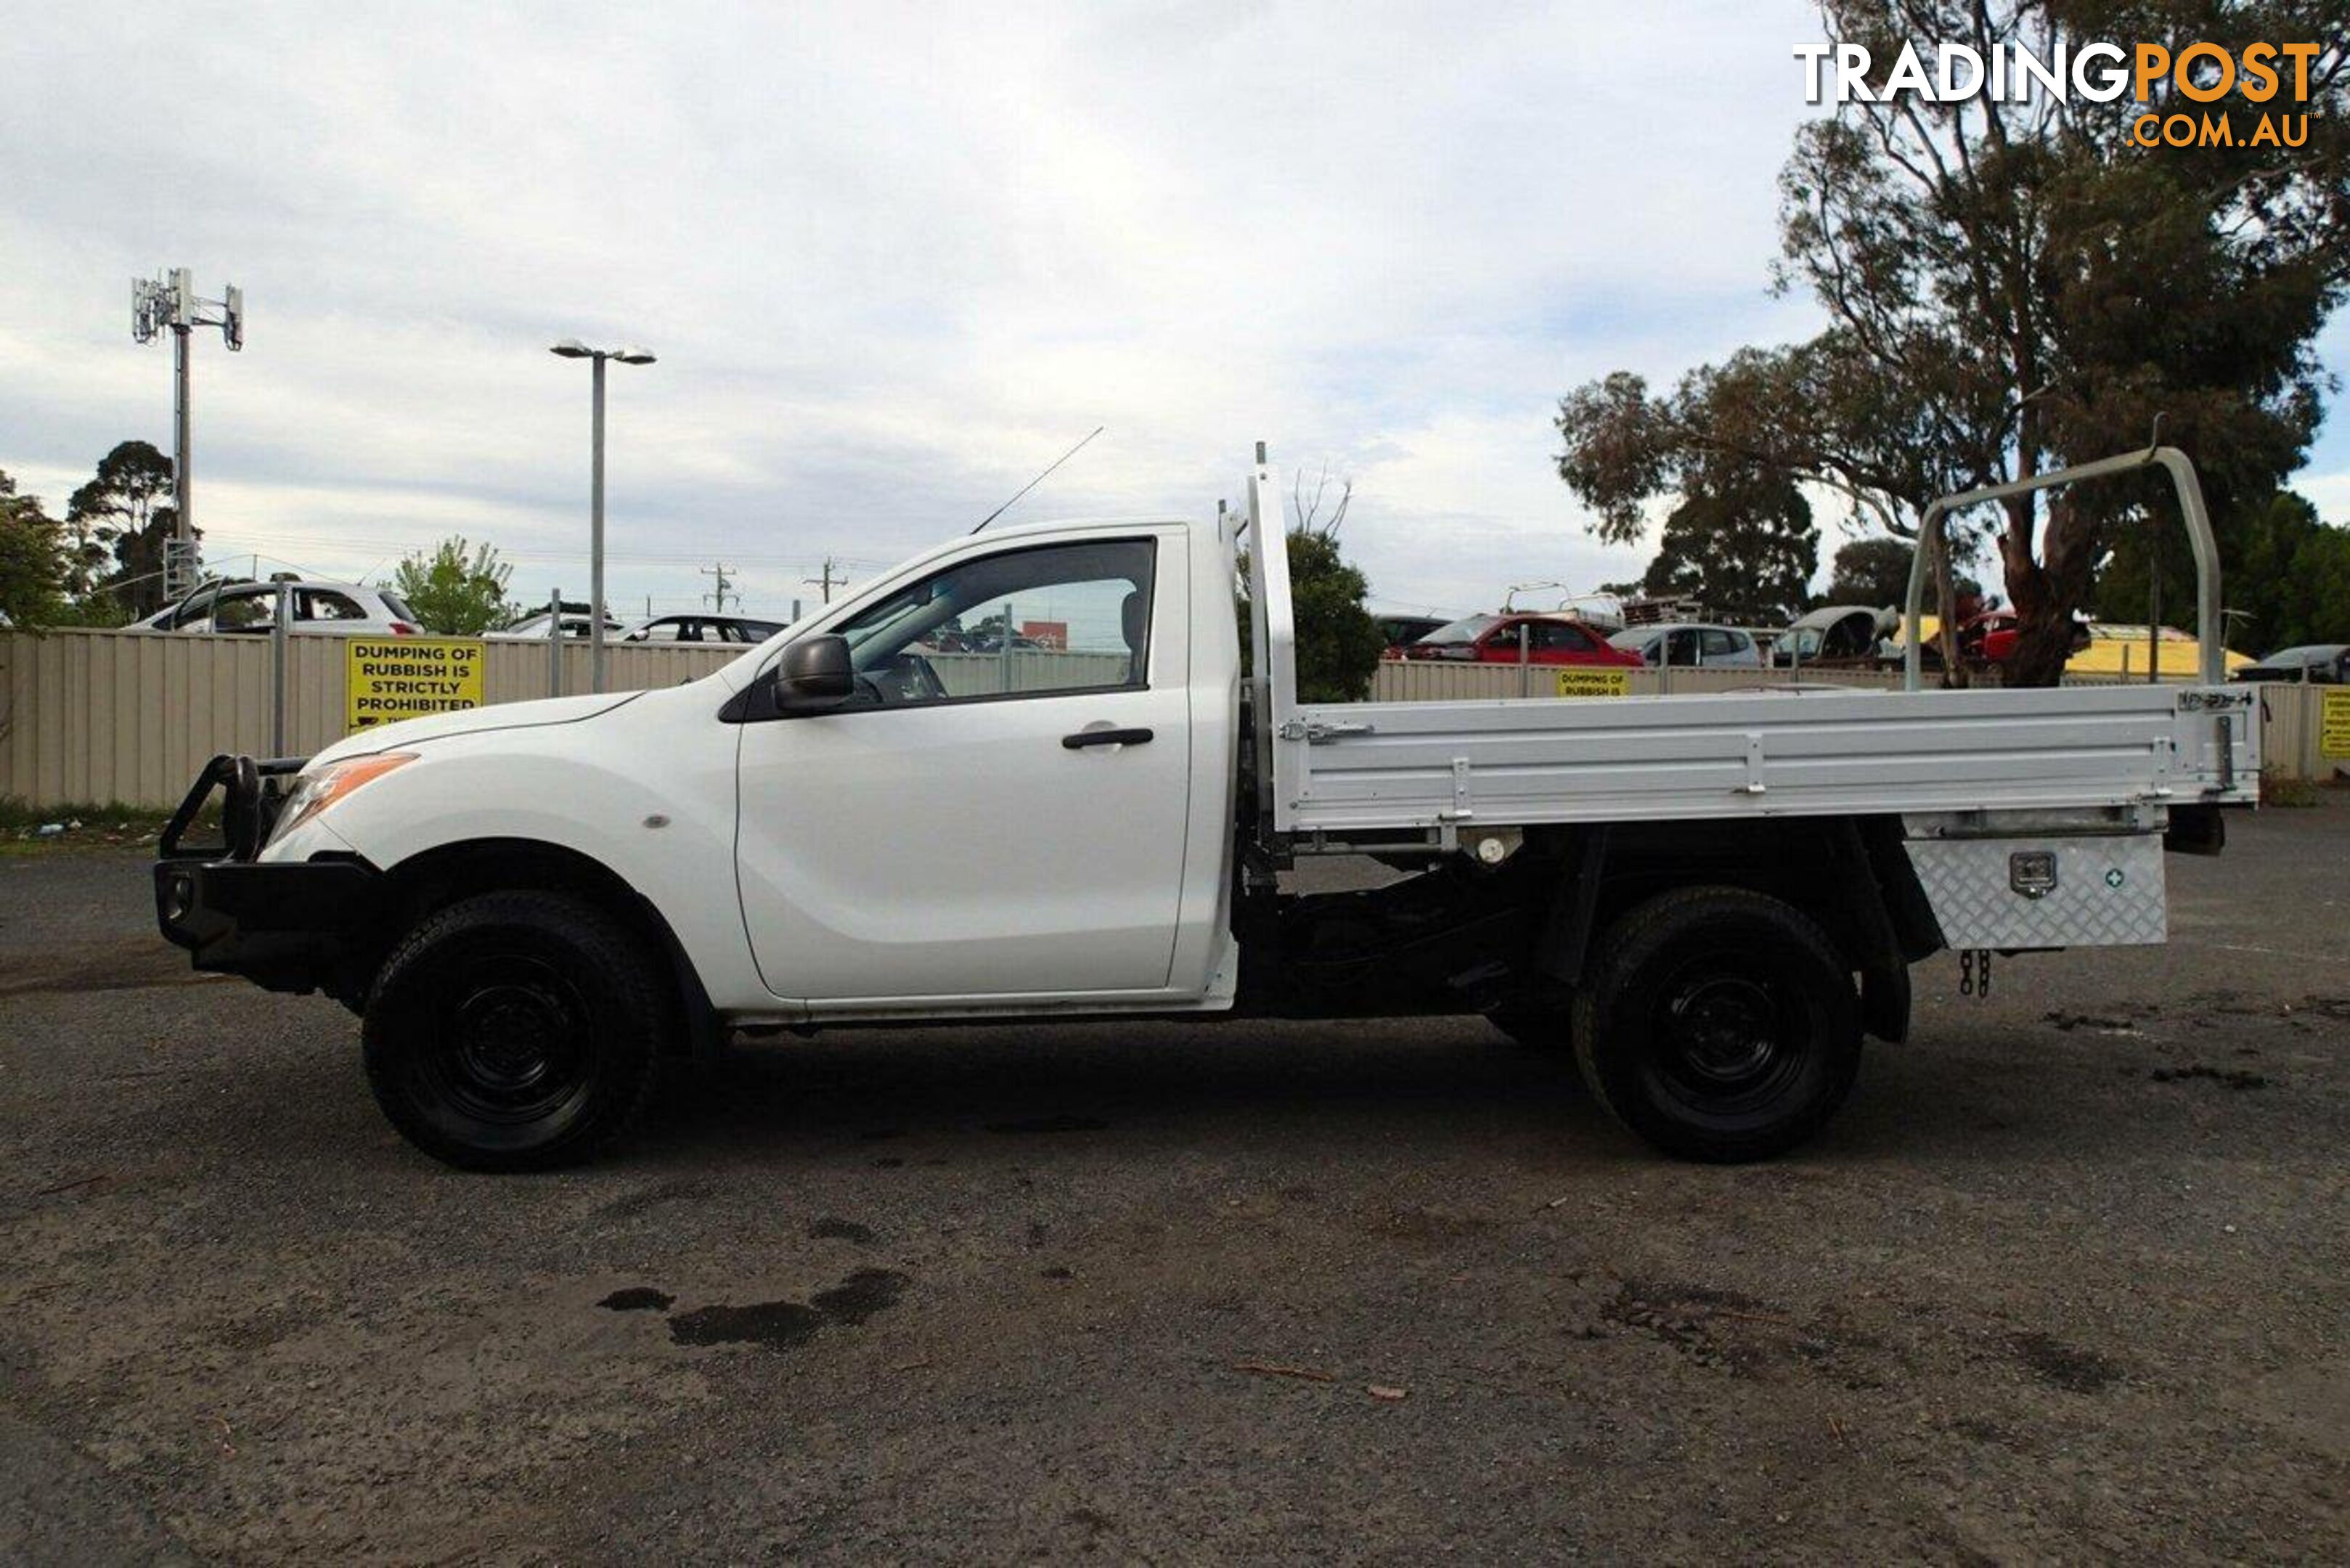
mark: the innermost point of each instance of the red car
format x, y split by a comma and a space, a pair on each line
1494, 640
1990, 636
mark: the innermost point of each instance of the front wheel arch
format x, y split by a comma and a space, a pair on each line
435, 879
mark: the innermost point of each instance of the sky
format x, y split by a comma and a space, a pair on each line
893, 260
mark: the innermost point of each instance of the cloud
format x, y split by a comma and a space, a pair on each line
894, 259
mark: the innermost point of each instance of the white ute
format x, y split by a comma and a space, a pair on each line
1709, 899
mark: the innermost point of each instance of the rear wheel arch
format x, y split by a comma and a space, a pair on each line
1849, 875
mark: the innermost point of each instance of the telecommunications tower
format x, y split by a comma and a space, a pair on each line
169, 304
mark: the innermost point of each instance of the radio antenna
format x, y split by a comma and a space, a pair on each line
1039, 479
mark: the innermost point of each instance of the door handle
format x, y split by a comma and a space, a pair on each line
1084, 738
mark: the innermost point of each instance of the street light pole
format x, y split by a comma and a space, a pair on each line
596, 545
572, 348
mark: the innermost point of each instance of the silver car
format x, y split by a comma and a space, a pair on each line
534, 629
1690, 644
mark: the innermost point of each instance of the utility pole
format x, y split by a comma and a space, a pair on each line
718, 594
824, 583
169, 304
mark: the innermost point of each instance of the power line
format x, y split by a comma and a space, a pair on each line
527, 553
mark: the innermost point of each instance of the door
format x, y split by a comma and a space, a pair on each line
1729, 649
1557, 642
983, 824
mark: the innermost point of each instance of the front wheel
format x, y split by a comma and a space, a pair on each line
1720, 1024
515, 1031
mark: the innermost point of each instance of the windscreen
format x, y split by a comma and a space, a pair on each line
1468, 628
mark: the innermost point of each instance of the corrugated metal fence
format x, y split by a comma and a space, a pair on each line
129, 716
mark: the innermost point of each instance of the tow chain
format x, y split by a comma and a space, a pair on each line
1974, 973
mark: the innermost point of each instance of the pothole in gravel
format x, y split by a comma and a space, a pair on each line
2234, 1078
637, 1298
2062, 1365
774, 1325
786, 1325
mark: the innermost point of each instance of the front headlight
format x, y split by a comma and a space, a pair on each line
316, 790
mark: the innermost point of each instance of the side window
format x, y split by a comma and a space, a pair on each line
250, 611
194, 610
1057, 618
1719, 644
1556, 637
324, 604
665, 631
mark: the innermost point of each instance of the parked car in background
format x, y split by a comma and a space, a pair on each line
1494, 640
1834, 634
533, 627
1403, 630
319, 609
702, 629
2317, 663
1990, 638
1684, 643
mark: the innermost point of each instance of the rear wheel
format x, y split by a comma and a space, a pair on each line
1720, 1024
515, 1031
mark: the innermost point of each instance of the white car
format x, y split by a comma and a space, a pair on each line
1710, 900
534, 629
319, 609
1690, 643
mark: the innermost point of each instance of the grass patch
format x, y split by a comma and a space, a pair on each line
85, 825
2290, 794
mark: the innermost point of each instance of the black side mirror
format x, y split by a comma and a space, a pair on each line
813, 674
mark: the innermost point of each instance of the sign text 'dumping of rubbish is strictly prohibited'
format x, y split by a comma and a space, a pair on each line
408, 677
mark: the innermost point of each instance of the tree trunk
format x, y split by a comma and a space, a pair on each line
2046, 592
1946, 611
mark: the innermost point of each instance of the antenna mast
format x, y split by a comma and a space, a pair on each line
1040, 478
168, 303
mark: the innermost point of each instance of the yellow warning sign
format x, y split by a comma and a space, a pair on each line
395, 677
2334, 724
1579, 681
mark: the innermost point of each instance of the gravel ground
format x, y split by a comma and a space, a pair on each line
2065, 1279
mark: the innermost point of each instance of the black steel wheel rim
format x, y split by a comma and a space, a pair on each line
1728, 1036
513, 1043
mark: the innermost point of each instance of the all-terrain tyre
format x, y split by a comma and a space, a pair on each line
516, 1030
1720, 1024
